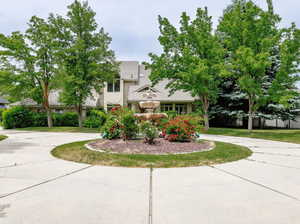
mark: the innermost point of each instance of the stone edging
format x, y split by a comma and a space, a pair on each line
212, 146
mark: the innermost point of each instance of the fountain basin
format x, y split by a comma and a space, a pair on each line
150, 116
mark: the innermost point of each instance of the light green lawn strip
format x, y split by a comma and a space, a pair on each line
2, 137
61, 129
283, 135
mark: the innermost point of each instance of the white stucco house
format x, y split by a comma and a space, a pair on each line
133, 82
127, 90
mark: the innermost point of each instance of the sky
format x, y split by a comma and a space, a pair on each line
132, 24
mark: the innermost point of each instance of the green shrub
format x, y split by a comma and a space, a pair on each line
111, 129
130, 128
69, 119
100, 115
1, 113
39, 119
149, 131
171, 114
92, 122
17, 117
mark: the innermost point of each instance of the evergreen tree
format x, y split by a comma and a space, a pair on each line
262, 58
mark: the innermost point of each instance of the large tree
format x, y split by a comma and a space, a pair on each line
86, 61
28, 67
192, 58
261, 57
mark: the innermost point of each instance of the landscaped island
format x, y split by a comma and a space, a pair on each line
223, 152
127, 140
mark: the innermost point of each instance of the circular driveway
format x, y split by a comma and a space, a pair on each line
36, 188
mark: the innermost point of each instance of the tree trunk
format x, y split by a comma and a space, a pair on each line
206, 121
250, 116
49, 118
47, 105
205, 106
80, 117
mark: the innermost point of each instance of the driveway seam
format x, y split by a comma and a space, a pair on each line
150, 217
255, 183
45, 182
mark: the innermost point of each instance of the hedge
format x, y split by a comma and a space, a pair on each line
17, 117
21, 117
96, 119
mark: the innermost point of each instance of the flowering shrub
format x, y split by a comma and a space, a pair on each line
179, 129
120, 123
111, 129
129, 127
149, 131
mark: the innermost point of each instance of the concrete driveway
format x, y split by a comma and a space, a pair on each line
36, 188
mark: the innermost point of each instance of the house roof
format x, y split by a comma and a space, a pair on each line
129, 70
54, 101
161, 92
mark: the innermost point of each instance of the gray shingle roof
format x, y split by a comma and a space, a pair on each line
161, 92
54, 101
129, 70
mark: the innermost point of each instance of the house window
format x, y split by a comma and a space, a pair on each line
166, 107
114, 86
111, 106
181, 108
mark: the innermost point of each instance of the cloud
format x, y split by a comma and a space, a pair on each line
132, 23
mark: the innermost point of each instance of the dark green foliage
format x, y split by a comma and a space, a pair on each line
130, 128
95, 119
39, 119
1, 112
17, 117
21, 117
69, 119
92, 122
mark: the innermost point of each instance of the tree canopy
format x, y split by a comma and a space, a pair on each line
255, 47
28, 64
86, 61
192, 58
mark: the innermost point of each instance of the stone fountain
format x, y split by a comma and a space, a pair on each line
150, 105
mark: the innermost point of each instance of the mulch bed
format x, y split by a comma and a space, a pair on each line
161, 146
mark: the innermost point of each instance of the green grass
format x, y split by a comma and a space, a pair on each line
2, 137
284, 135
223, 152
60, 129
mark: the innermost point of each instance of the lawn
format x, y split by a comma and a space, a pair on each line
61, 129
223, 152
284, 135
2, 137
